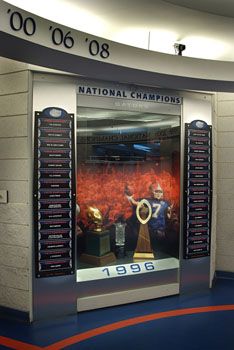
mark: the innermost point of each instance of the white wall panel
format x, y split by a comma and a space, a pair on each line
225, 108
14, 169
225, 170
197, 273
13, 256
224, 247
14, 126
14, 234
225, 139
9, 66
224, 217
194, 109
225, 230
225, 155
13, 148
226, 124
62, 93
53, 95
14, 173
14, 298
14, 277
225, 186
224, 262
225, 182
15, 213
224, 96
225, 202
14, 104
17, 191
14, 83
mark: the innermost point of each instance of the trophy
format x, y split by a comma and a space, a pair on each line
120, 238
97, 240
143, 249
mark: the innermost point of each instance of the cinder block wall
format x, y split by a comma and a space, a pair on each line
225, 182
214, 201
14, 217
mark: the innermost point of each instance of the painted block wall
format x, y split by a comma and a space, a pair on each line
214, 197
14, 217
225, 182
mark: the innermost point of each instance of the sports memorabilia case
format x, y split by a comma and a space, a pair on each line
128, 191
109, 212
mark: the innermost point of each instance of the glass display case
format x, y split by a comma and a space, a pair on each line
128, 195
122, 193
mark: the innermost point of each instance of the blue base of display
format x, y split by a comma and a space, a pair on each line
11, 314
224, 274
134, 326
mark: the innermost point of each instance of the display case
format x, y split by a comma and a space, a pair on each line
114, 171
128, 193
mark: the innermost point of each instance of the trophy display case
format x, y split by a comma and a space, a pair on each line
128, 169
122, 193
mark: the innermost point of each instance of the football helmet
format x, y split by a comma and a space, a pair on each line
156, 191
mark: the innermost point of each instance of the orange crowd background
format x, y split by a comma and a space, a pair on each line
103, 186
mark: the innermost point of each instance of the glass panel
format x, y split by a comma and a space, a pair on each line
128, 191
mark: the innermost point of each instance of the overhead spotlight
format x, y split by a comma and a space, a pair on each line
179, 48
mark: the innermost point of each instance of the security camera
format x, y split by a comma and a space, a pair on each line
179, 48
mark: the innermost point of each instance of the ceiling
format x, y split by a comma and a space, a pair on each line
216, 7
206, 27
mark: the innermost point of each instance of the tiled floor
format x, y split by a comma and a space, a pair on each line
201, 321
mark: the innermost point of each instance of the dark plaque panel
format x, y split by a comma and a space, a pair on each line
197, 189
54, 193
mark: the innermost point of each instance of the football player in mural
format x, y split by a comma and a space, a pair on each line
161, 210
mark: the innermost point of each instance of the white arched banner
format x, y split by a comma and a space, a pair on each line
31, 39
